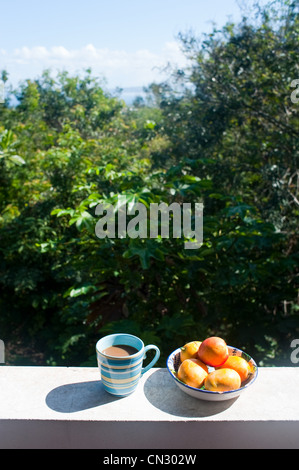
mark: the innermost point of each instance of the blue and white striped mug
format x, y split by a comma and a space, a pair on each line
120, 374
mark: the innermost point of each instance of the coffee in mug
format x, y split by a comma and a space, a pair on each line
120, 359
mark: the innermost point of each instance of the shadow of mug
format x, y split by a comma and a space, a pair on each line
80, 396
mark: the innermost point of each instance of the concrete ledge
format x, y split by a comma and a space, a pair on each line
57, 407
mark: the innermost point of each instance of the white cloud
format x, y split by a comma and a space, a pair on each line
118, 67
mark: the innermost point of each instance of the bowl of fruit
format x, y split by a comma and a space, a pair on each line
211, 370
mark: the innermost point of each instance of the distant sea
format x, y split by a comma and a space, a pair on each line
129, 94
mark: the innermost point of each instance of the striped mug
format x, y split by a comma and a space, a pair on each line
120, 374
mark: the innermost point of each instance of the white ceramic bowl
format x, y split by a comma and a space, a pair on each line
173, 363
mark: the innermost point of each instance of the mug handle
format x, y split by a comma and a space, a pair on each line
154, 360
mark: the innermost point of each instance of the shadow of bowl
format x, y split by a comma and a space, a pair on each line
161, 391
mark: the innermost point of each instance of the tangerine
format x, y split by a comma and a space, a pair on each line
222, 380
239, 364
192, 372
213, 351
189, 350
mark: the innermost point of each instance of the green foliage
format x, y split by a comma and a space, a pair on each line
228, 138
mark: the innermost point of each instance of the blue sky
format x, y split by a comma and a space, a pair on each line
122, 41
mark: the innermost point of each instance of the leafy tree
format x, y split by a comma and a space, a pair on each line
224, 133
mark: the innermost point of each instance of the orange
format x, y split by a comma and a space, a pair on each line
189, 351
222, 380
239, 364
192, 372
213, 351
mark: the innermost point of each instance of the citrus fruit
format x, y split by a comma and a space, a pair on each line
222, 380
189, 350
192, 372
213, 351
239, 364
